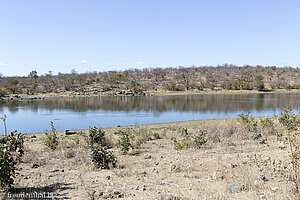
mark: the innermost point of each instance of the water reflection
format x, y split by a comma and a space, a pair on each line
80, 112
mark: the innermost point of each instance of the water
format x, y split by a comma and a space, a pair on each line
83, 112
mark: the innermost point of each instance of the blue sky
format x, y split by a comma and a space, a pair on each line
102, 35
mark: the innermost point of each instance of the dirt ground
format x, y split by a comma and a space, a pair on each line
154, 169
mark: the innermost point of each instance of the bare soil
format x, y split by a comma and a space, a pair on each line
154, 169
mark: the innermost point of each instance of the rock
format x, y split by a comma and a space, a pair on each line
263, 177
108, 177
169, 197
235, 187
274, 189
118, 194
143, 174
147, 156
175, 168
69, 132
33, 136
54, 170
35, 165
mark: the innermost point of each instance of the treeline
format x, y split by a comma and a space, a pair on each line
225, 77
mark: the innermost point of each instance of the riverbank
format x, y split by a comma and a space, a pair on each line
17, 97
160, 168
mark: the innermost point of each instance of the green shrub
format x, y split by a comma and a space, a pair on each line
97, 136
102, 158
181, 145
156, 136
266, 122
124, 141
2, 93
288, 170
200, 140
11, 150
51, 140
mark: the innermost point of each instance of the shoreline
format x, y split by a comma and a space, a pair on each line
18, 97
151, 126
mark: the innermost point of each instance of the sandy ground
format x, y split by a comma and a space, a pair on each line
154, 169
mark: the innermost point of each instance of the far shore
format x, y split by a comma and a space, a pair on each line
13, 97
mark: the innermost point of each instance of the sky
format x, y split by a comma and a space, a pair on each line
104, 35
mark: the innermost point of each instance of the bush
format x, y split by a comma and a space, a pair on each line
97, 137
287, 170
124, 141
200, 140
51, 140
100, 156
11, 150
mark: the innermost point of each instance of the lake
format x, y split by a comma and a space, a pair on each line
83, 112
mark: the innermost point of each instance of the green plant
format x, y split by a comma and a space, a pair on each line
183, 144
102, 158
200, 139
156, 136
267, 122
97, 136
251, 125
290, 121
51, 140
11, 150
289, 169
124, 141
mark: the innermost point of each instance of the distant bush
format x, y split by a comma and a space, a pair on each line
51, 140
11, 150
2, 93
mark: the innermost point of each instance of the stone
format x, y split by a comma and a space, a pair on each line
147, 156
175, 168
54, 170
274, 189
35, 165
235, 187
263, 177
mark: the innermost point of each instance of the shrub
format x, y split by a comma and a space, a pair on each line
100, 156
51, 140
156, 136
2, 93
124, 141
180, 145
266, 122
97, 136
290, 121
287, 170
11, 150
200, 140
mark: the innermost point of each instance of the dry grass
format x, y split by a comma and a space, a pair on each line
154, 169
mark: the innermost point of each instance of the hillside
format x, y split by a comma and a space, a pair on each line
136, 82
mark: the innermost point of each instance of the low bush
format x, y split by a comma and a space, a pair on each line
51, 140
101, 157
124, 141
11, 150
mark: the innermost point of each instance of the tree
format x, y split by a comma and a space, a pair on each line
33, 74
259, 84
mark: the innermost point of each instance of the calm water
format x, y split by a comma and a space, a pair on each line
82, 112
